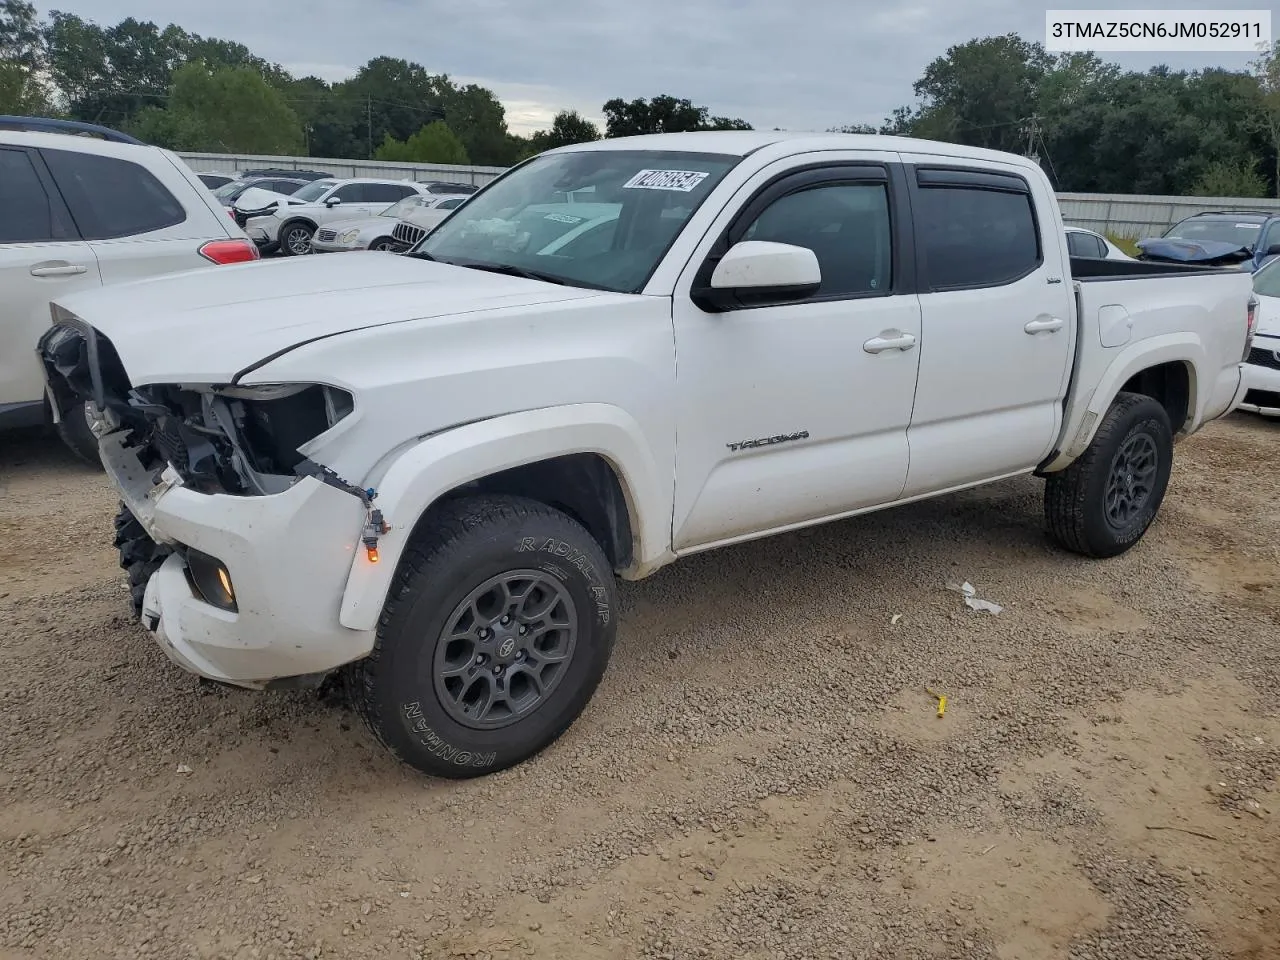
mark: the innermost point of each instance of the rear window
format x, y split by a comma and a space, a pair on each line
1216, 230
109, 197
26, 215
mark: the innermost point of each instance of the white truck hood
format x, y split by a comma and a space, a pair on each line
206, 326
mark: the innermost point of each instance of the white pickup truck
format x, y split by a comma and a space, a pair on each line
428, 469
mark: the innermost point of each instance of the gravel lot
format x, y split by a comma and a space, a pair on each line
762, 774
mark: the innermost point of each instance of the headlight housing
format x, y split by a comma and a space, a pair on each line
348, 237
275, 419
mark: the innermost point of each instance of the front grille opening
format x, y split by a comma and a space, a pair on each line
1262, 398
1263, 358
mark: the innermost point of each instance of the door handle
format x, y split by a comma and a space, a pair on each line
1051, 325
58, 270
903, 341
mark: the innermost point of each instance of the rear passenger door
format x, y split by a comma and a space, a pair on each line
136, 227
41, 258
996, 324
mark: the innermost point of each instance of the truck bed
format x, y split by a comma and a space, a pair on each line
1090, 270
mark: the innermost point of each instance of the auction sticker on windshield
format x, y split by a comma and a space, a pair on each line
682, 180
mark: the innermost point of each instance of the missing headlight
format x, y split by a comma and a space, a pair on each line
276, 419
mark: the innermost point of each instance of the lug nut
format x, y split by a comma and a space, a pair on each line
506, 619
497, 669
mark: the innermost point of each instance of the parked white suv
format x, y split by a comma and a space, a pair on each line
292, 223
428, 469
77, 212
379, 232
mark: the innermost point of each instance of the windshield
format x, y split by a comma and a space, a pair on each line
314, 191
1221, 231
398, 209
229, 191
520, 221
1266, 282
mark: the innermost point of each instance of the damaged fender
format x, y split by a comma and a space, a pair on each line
419, 476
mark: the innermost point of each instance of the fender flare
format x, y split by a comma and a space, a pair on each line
427, 470
1184, 348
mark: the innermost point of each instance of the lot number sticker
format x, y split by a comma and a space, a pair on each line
682, 181
562, 218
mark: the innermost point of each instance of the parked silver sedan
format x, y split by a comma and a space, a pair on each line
374, 233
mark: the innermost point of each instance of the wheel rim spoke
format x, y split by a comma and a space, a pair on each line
1132, 480
505, 648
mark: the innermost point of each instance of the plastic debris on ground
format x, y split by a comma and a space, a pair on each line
971, 600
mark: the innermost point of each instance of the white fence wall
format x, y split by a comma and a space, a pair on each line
1120, 214
1143, 216
231, 163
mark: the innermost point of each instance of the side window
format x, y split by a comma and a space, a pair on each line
1085, 245
386, 192
450, 204
110, 197
26, 214
846, 225
351, 193
974, 236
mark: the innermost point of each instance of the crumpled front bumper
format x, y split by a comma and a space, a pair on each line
288, 556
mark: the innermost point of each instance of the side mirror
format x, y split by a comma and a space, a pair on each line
1273, 250
332, 202
758, 272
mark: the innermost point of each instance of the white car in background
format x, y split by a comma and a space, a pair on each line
82, 207
375, 233
1262, 367
1092, 246
291, 224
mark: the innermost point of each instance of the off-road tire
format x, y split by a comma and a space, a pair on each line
286, 229
79, 439
140, 556
1075, 504
384, 244
467, 542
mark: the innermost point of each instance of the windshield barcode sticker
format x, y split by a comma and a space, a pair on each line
562, 218
682, 180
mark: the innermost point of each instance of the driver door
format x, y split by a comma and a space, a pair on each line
795, 412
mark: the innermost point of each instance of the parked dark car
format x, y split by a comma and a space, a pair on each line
1218, 238
214, 180
231, 192
447, 186
307, 175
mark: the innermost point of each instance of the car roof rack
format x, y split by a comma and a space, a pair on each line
1234, 213
51, 125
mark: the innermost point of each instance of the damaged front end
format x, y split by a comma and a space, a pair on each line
218, 438
210, 438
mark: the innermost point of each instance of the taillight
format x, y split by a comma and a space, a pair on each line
223, 252
1251, 324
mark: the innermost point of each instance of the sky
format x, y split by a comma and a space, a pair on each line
805, 65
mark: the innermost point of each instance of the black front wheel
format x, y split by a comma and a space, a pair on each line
385, 244
1103, 503
295, 239
497, 629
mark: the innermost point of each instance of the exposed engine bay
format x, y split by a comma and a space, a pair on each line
219, 438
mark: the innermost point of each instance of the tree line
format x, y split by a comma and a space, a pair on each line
193, 93
1093, 126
